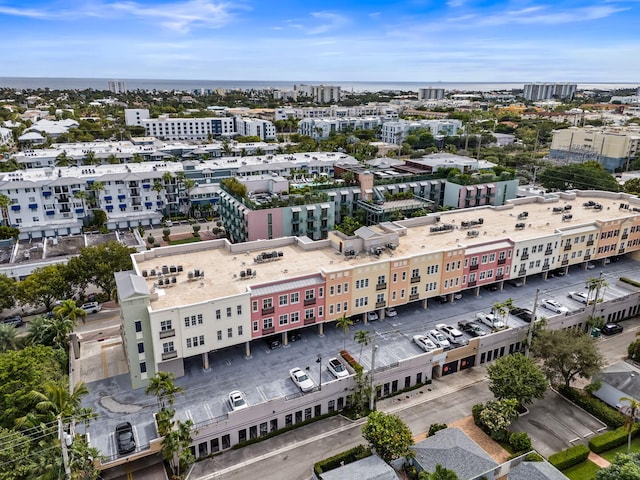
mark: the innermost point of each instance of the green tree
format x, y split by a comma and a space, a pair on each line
440, 473
81, 459
631, 412
9, 289
566, 354
516, 376
44, 286
96, 188
583, 176
344, 323
16, 454
40, 332
69, 309
63, 160
8, 337
53, 399
9, 232
388, 434
83, 196
503, 308
595, 284
362, 338
90, 158
348, 226
4, 208
175, 447
624, 467
497, 415
163, 387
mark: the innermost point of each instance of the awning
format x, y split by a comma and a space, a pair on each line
368, 190
123, 205
491, 185
108, 198
33, 206
296, 209
109, 208
470, 188
344, 192
311, 207
51, 212
413, 185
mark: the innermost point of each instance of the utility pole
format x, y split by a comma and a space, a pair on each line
535, 171
532, 324
63, 444
372, 395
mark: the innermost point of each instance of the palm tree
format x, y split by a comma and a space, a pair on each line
39, 332
69, 309
595, 284
502, 308
62, 160
189, 184
90, 158
8, 337
113, 159
137, 158
161, 385
4, 209
60, 328
440, 473
96, 188
344, 323
630, 411
82, 195
55, 400
362, 338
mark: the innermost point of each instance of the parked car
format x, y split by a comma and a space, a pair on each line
237, 401
490, 320
554, 306
273, 342
492, 287
522, 313
16, 321
471, 328
591, 266
424, 343
390, 312
91, 307
454, 335
295, 336
612, 329
337, 369
125, 439
579, 297
438, 338
517, 282
301, 379
371, 316
442, 298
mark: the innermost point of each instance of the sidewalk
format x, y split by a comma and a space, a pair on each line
232, 460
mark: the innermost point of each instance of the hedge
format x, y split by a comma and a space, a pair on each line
630, 281
356, 453
569, 457
351, 361
595, 407
614, 438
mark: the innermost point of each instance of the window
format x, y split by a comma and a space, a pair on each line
416, 272
218, 316
309, 313
294, 298
267, 323
321, 309
220, 334
362, 302
309, 294
138, 325
404, 276
364, 283
254, 306
295, 317
321, 291
229, 332
414, 290
331, 290
239, 330
140, 347
431, 269
381, 279
492, 257
331, 308
165, 325
167, 347
239, 309
395, 277
228, 312
267, 303
402, 293
255, 327
283, 300
338, 307
143, 367
345, 305
339, 289
283, 320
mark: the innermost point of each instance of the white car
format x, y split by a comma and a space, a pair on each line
237, 401
438, 338
371, 316
579, 297
490, 320
554, 306
424, 343
390, 312
301, 379
453, 334
337, 369
91, 307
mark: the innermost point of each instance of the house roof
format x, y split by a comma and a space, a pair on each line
454, 450
623, 377
535, 471
369, 468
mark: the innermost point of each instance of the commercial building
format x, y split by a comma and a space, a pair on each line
548, 91
135, 116
384, 110
397, 131
612, 147
430, 93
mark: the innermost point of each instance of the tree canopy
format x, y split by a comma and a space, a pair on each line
582, 176
44, 286
388, 434
518, 377
624, 467
9, 289
566, 354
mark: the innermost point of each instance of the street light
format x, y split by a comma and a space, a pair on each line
319, 360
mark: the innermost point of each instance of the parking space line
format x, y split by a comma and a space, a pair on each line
207, 410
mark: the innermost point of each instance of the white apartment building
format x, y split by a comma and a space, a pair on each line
430, 93
6, 137
547, 91
169, 128
395, 132
386, 111
135, 116
319, 93
117, 86
255, 127
318, 128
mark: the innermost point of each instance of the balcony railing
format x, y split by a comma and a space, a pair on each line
474, 267
268, 331
545, 266
415, 279
472, 284
525, 256
309, 320
548, 252
381, 304
587, 257
564, 262
589, 243
169, 355
381, 286
625, 236
309, 301
502, 261
522, 273
414, 296
168, 333
567, 247
268, 310
499, 277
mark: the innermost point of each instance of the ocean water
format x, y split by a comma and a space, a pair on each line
190, 85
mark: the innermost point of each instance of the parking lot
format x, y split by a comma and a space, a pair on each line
265, 376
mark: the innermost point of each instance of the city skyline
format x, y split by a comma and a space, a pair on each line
410, 40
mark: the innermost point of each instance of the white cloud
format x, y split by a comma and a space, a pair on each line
330, 21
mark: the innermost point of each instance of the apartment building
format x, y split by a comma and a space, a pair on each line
548, 91
612, 147
135, 116
255, 127
117, 86
169, 128
397, 131
384, 110
319, 128
430, 93
270, 287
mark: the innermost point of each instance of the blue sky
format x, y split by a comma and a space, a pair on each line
408, 40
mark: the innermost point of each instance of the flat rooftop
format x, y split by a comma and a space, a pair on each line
222, 268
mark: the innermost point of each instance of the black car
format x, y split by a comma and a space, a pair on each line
295, 336
273, 342
523, 314
16, 321
612, 329
124, 438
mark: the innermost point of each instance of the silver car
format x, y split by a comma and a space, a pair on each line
301, 379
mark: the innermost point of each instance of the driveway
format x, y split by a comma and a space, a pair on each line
554, 424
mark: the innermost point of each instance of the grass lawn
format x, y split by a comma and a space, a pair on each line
583, 471
611, 454
184, 240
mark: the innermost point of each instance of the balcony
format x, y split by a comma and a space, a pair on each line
472, 284
381, 304
295, 221
168, 333
564, 262
309, 301
169, 355
621, 251
548, 252
415, 279
268, 310
525, 256
381, 286
589, 243
414, 296
502, 261
567, 247
587, 257
499, 277
311, 218
309, 320
522, 273
474, 267
624, 237
545, 267
268, 331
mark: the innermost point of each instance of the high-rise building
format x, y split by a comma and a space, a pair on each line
548, 91
430, 93
117, 86
325, 93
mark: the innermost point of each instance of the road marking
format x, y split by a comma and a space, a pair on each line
105, 365
207, 410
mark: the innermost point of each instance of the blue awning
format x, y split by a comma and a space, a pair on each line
109, 208
51, 212
79, 210
15, 208
121, 197
146, 185
214, 200
33, 206
46, 194
159, 203
148, 204
108, 197
123, 205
